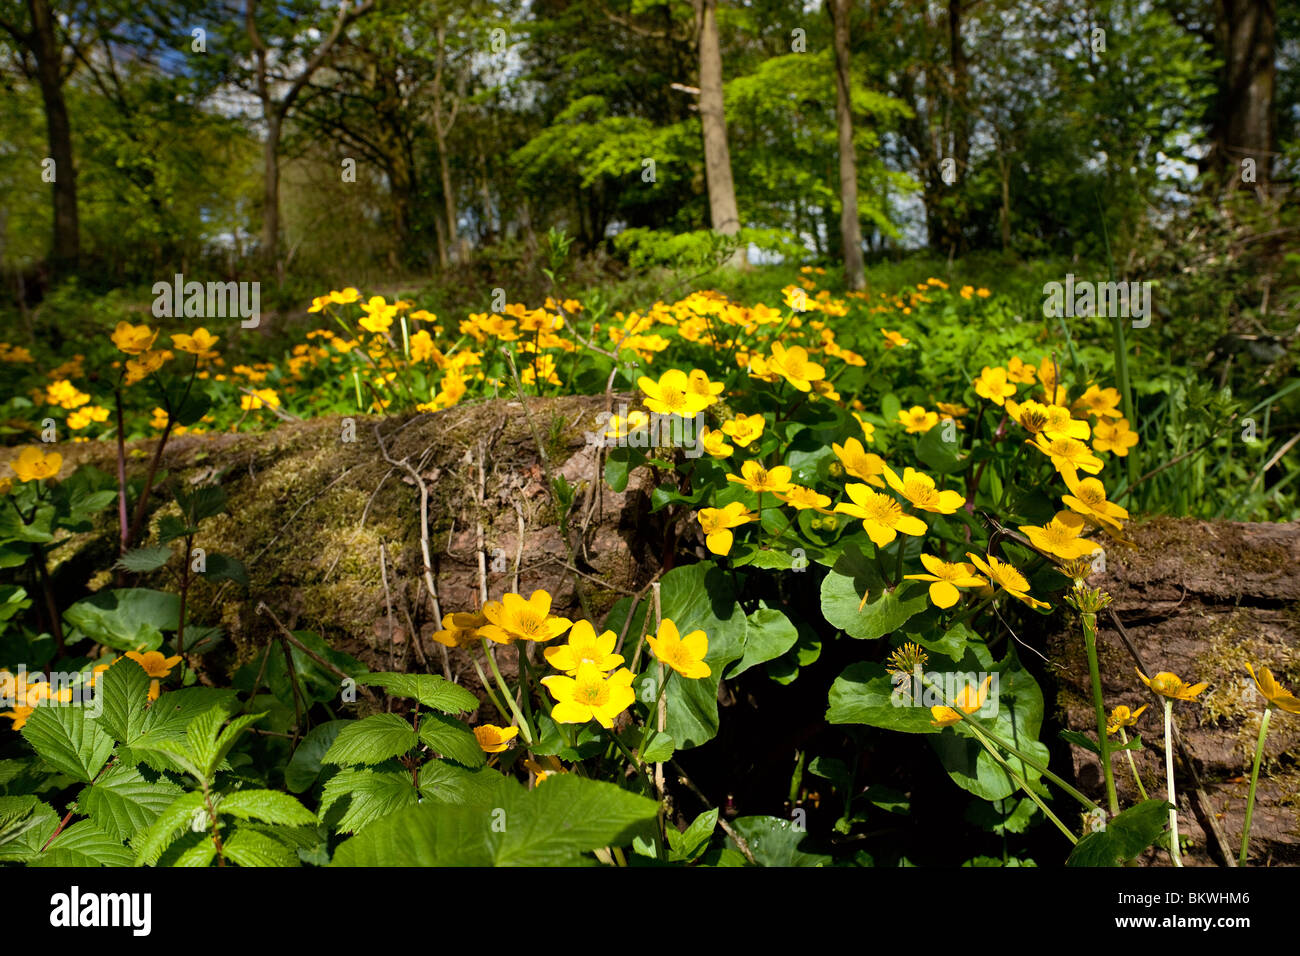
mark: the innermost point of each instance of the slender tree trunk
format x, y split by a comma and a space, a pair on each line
448, 196
58, 130
271, 187
850, 227
1244, 123
723, 212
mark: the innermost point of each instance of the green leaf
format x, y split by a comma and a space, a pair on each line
247, 847
659, 749
451, 783
695, 597
85, 844
371, 795
430, 690
126, 619
777, 842
1081, 740
1125, 836
452, 739
768, 635
123, 802
866, 694
686, 845
180, 814
942, 457
305, 764
220, 566
371, 740
551, 825
67, 740
617, 467
884, 612
25, 824
270, 806
144, 560
124, 688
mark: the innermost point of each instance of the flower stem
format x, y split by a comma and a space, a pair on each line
1254, 780
1025, 787
505, 692
1132, 765
1169, 782
1103, 739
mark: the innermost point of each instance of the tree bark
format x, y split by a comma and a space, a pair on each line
49, 71
1244, 122
850, 227
723, 213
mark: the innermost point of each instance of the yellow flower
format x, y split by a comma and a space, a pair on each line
590, 694
33, 465
1018, 371
543, 368
701, 386
1008, 578
969, 699
156, 665
513, 618
379, 315
714, 442
868, 429
144, 365
860, 463
1101, 402
686, 654
585, 647
1276, 695
672, 394
620, 427
1121, 716
66, 395
1088, 498
1068, 454
1060, 537
917, 419
200, 343
261, 397
18, 715
952, 410
947, 578
744, 429
544, 767
1171, 685
461, 629
133, 339
793, 365
84, 416
801, 498
759, 479
983, 293
882, 517
1114, 437
1061, 425
920, 492
993, 385
893, 339
493, 739
718, 522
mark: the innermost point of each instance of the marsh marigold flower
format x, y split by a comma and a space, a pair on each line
1060, 537
460, 629
133, 339
945, 579
1171, 685
144, 365
589, 695
718, 522
759, 479
672, 394
801, 498
744, 429
794, 366
683, 654
715, 443
1273, 692
920, 492
993, 385
893, 339
860, 463
969, 699
199, 343
66, 395
32, 464
1121, 716
882, 517
1006, 577
917, 420
585, 646
1114, 437
1068, 454
493, 739
156, 665
513, 618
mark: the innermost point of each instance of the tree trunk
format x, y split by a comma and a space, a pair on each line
271, 188
850, 227
49, 69
723, 213
1243, 125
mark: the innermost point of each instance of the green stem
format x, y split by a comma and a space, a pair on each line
898, 565
1103, 739
1132, 765
1254, 779
1025, 787
487, 686
505, 692
1169, 782
654, 711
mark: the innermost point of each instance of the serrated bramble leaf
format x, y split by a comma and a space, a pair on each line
248, 847
429, 689
150, 843
371, 795
84, 844
68, 740
371, 740
270, 806
123, 802
452, 739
